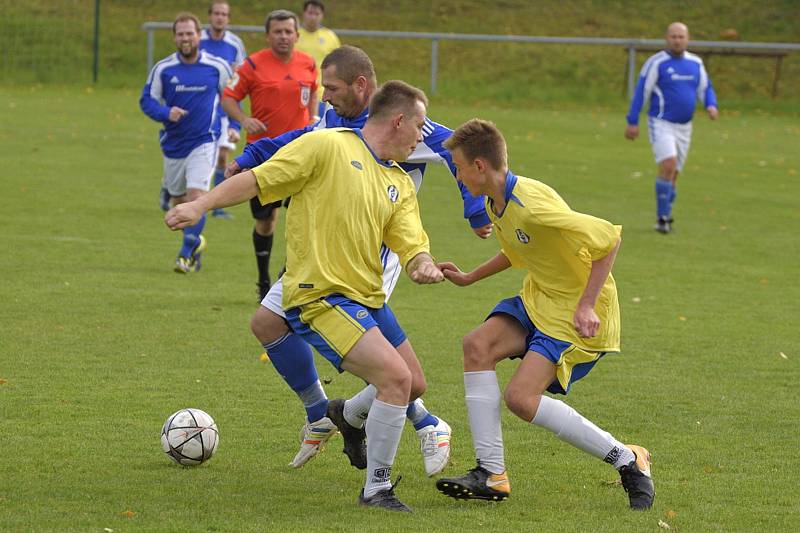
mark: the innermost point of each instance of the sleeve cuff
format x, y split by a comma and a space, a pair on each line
478, 220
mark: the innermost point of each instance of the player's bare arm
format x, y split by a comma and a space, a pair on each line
423, 270
251, 124
233, 168
232, 191
585, 319
496, 264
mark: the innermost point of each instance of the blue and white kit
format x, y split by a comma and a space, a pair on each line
230, 48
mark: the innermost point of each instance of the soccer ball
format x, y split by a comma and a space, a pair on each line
189, 437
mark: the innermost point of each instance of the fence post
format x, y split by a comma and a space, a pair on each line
150, 46
631, 70
434, 63
96, 47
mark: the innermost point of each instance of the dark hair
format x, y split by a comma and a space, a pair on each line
281, 14
395, 95
185, 16
350, 62
480, 138
317, 3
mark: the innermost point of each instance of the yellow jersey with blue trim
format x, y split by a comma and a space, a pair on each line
539, 232
317, 44
346, 202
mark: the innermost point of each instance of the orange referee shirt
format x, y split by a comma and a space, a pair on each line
279, 92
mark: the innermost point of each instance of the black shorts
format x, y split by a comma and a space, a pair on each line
262, 212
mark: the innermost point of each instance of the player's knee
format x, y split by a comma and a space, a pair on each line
418, 386
668, 167
476, 350
267, 326
397, 379
520, 402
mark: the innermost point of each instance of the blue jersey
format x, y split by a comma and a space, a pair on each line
673, 84
231, 49
195, 87
430, 150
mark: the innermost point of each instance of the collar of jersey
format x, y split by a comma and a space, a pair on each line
378, 160
511, 182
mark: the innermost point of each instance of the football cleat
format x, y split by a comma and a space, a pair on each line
636, 479
434, 443
384, 499
477, 484
313, 436
355, 446
663, 225
183, 265
261, 290
197, 253
221, 214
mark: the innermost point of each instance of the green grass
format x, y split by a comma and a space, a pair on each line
100, 341
513, 74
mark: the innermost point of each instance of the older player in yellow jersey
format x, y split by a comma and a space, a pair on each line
348, 197
563, 321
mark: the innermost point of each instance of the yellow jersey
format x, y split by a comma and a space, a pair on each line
539, 232
345, 204
317, 44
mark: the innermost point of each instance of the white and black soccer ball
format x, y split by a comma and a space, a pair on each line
189, 437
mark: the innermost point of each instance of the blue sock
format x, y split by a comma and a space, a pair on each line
219, 176
419, 416
191, 238
292, 358
672, 197
664, 191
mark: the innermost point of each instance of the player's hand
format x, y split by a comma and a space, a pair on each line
586, 321
232, 169
183, 215
484, 232
713, 112
254, 126
454, 274
233, 135
426, 272
631, 132
176, 113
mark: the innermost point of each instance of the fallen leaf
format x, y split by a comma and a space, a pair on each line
764, 281
611, 483
782, 355
663, 525
264, 358
636, 299
128, 514
108, 530
682, 318
671, 514
4, 381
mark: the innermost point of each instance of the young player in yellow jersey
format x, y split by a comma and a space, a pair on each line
315, 39
348, 197
564, 320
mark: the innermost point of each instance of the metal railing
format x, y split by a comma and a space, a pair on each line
631, 45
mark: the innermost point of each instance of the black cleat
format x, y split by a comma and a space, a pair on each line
262, 289
636, 479
663, 225
385, 499
355, 445
477, 484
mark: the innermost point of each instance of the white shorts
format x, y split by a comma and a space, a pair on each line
191, 172
224, 141
391, 273
669, 139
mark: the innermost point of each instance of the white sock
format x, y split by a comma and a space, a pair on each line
384, 429
483, 398
356, 408
571, 427
418, 412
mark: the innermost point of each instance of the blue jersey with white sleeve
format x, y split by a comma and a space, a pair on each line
195, 87
430, 150
673, 84
230, 48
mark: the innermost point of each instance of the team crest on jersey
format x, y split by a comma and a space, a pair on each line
523, 237
362, 314
174, 79
305, 95
393, 193
233, 81
357, 164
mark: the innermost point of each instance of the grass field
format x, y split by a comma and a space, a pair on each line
100, 341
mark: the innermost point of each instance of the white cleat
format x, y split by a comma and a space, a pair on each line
313, 437
434, 443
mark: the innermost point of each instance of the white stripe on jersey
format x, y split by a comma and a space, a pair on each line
703, 82
650, 71
156, 88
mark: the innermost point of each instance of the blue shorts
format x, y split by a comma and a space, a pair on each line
572, 363
334, 324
